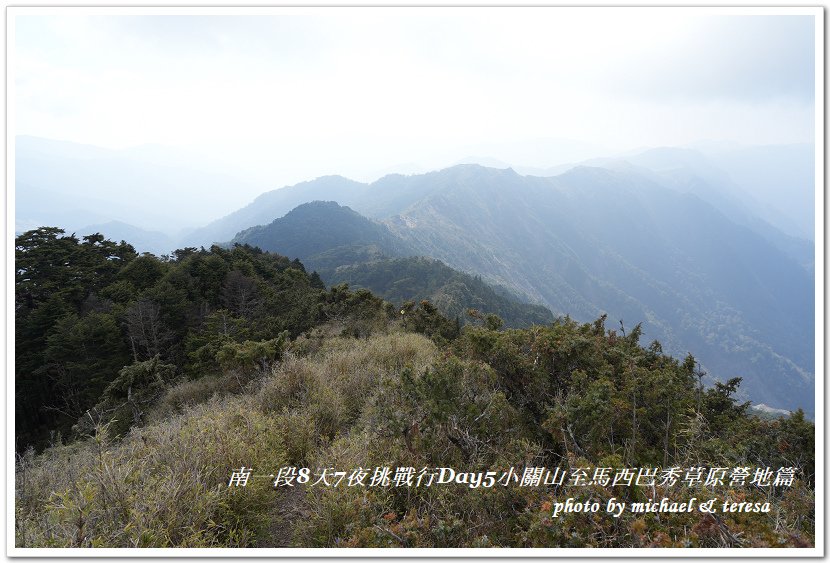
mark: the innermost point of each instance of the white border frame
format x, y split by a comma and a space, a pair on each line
817, 551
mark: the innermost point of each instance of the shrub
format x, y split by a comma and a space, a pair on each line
165, 485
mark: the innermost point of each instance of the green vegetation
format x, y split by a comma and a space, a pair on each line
314, 228
594, 241
345, 247
699, 272
452, 292
86, 309
236, 357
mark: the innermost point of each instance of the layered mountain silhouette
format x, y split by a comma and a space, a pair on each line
146, 189
592, 241
342, 246
687, 242
323, 227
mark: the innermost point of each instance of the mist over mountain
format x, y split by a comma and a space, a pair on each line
593, 241
342, 246
781, 178
454, 293
74, 185
35, 207
665, 236
155, 242
485, 248
769, 189
689, 171
273, 205
599, 240
319, 227
763, 186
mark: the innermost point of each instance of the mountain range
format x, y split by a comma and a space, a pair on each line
662, 237
87, 189
600, 240
342, 246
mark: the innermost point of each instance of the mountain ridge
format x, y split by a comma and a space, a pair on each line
343, 246
595, 240
670, 248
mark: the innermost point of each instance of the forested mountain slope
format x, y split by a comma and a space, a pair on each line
87, 309
147, 384
320, 227
342, 246
275, 204
595, 241
621, 241
454, 293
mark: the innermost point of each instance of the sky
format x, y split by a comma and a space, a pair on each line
296, 94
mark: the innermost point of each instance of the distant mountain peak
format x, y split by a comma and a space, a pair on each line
319, 204
319, 226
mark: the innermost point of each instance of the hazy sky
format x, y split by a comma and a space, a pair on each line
352, 91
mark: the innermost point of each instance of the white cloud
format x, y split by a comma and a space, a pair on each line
350, 90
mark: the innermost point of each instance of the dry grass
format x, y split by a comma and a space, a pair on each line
165, 485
